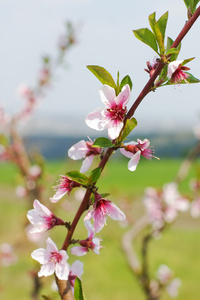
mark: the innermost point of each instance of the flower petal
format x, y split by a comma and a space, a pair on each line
107, 94
123, 97
51, 246
57, 196
173, 66
89, 228
114, 130
132, 165
114, 212
126, 153
62, 271
40, 255
78, 150
86, 163
94, 120
79, 251
76, 268
47, 269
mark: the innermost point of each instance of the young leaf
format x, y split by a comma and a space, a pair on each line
103, 75
104, 195
78, 290
162, 24
78, 177
187, 60
169, 44
146, 36
159, 29
187, 3
95, 174
130, 125
102, 142
171, 51
126, 80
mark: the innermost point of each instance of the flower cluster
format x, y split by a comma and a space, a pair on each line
163, 206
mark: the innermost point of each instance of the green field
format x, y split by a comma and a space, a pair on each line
106, 276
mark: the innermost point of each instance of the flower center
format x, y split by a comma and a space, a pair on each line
116, 113
91, 150
56, 257
132, 148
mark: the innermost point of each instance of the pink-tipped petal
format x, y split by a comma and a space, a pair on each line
86, 163
99, 221
123, 97
79, 251
132, 165
143, 144
76, 268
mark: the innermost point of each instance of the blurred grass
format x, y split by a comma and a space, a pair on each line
106, 276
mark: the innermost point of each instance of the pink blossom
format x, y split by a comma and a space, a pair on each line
174, 200
173, 286
91, 242
84, 150
154, 207
112, 116
163, 206
65, 186
52, 261
42, 218
101, 208
164, 274
176, 71
151, 66
21, 191
7, 255
76, 270
35, 171
134, 150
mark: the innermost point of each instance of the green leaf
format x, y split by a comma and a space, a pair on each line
146, 36
102, 142
130, 125
156, 30
187, 3
192, 79
104, 195
78, 177
171, 51
186, 61
78, 290
126, 80
103, 75
169, 44
95, 174
162, 24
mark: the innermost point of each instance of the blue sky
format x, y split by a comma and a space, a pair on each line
30, 28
